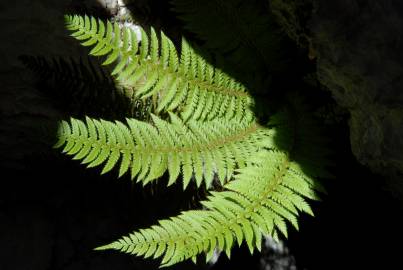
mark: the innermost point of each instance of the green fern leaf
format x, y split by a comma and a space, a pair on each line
196, 82
148, 151
229, 215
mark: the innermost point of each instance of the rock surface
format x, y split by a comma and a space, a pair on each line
276, 256
360, 60
357, 45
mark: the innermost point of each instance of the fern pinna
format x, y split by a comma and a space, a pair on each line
205, 128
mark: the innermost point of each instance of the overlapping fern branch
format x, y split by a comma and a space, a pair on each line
197, 149
266, 194
267, 172
186, 83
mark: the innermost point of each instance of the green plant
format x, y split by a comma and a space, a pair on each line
203, 128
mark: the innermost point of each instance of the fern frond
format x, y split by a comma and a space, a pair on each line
259, 202
274, 168
269, 192
243, 31
197, 149
187, 83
